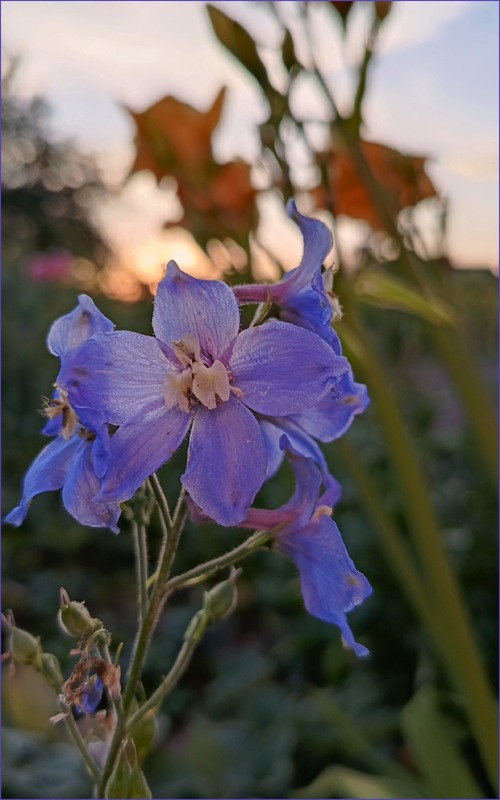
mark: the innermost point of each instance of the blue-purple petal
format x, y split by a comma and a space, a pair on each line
226, 461
81, 487
318, 242
47, 473
302, 504
282, 369
120, 375
275, 455
140, 448
334, 414
331, 585
76, 327
205, 309
91, 694
303, 444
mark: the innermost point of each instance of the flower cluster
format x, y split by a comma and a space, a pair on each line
246, 398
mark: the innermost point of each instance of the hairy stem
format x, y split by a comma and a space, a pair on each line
172, 533
192, 637
160, 498
80, 743
203, 571
141, 566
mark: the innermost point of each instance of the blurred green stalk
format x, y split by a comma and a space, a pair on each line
463, 660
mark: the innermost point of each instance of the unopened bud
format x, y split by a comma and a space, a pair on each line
221, 601
74, 618
51, 671
24, 647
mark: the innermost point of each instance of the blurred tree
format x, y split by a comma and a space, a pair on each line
48, 188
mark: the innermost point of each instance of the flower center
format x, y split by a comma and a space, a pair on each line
197, 381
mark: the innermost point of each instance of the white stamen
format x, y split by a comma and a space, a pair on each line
196, 381
175, 389
187, 349
209, 382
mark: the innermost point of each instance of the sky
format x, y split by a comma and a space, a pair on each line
433, 90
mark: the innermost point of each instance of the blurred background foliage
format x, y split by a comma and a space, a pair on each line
272, 706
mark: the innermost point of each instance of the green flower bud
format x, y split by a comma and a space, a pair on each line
24, 647
221, 601
51, 671
75, 620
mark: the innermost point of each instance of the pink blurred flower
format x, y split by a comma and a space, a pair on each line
51, 266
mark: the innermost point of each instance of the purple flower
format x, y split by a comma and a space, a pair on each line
331, 585
301, 296
76, 458
326, 421
89, 694
197, 371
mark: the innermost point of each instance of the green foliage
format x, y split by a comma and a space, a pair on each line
128, 781
240, 44
435, 746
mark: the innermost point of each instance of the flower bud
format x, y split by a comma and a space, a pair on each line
221, 601
51, 671
24, 647
74, 618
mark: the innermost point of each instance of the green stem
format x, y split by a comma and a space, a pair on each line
160, 498
464, 663
167, 554
157, 600
399, 555
394, 545
192, 637
141, 565
80, 743
202, 571
455, 353
474, 393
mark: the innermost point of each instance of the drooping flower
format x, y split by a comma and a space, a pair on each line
330, 583
301, 297
76, 458
197, 371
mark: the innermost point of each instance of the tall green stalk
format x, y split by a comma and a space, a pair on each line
464, 662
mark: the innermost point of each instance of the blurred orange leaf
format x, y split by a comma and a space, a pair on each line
402, 176
171, 132
175, 139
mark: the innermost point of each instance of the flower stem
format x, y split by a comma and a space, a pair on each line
80, 743
160, 498
203, 571
171, 536
141, 565
194, 632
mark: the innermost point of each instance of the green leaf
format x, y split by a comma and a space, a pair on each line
240, 44
377, 288
433, 742
127, 780
344, 782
